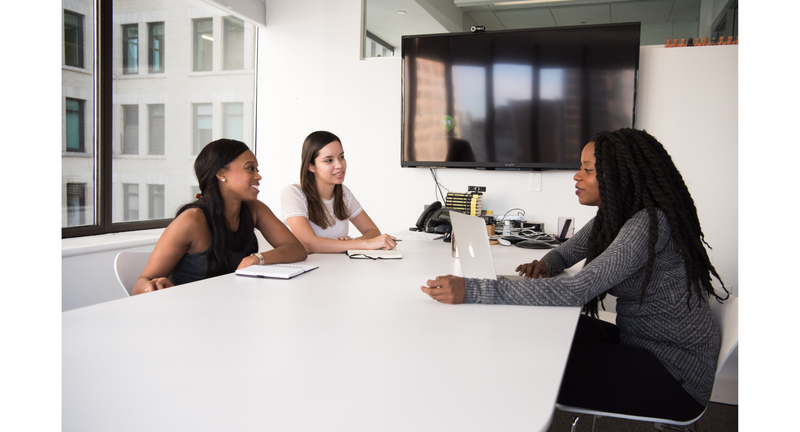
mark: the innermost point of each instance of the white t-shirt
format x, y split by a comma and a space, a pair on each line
294, 203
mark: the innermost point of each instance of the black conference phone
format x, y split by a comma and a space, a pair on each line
434, 219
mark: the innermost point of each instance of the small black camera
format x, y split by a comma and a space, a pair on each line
474, 29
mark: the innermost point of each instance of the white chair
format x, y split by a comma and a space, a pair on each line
726, 315
128, 266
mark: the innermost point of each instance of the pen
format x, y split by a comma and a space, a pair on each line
397, 240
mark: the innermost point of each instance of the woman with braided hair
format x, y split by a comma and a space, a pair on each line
646, 248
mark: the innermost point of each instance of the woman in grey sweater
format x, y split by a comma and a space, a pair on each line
646, 248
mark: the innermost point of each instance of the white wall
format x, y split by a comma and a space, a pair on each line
311, 78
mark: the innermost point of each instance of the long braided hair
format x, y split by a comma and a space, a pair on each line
635, 172
313, 143
214, 157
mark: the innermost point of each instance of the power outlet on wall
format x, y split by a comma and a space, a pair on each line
535, 182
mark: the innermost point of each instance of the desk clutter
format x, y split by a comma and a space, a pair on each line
683, 42
470, 203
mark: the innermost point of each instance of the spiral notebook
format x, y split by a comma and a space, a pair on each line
276, 271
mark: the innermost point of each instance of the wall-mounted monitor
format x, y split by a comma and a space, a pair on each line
517, 99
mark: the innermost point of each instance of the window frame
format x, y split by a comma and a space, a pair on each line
151, 50
196, 48
103, 112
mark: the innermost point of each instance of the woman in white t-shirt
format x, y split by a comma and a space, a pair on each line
319, 209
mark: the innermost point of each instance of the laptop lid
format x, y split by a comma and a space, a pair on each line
472, 244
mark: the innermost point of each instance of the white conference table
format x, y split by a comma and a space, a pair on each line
354, 346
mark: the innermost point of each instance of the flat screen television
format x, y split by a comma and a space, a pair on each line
516, 99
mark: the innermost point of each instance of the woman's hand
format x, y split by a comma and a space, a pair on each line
446, 289
383, 241
248, 261
157, 284
533, 270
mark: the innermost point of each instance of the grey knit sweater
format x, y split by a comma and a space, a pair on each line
686, 341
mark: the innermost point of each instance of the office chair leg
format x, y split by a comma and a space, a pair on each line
661, 426
574, 424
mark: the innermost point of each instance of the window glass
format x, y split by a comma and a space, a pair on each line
73, 39
172, 115
130, 119
203, 44
234, 121
234, 43
155, 124
155, 47
130, 49
78, 166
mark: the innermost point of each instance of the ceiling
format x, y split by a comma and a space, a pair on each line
660, 18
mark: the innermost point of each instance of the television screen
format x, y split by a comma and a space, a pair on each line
528, 99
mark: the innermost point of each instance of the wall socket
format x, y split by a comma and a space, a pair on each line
535, 182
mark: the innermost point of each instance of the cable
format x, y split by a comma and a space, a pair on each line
438, 185
519, 209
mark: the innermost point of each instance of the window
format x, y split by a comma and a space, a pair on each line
130, 140
233, 126
233, 53
376, 47
155, 206
155, 47
130, 49
202, 126
115, 137
74, 123
130, 203
203, 44
73, 39
155, 124
76, 204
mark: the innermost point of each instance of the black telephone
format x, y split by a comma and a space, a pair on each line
434, 218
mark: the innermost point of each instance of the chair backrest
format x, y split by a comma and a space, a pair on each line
128, 266
726, 316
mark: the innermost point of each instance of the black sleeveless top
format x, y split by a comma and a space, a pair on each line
241, 243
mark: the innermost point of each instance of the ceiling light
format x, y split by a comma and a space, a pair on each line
401, 12
207, 37
521, 2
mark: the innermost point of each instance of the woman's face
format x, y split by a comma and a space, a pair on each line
586, 179
329, 166
241, 177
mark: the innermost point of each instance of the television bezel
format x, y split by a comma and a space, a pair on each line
502, 166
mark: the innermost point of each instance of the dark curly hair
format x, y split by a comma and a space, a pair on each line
635, 172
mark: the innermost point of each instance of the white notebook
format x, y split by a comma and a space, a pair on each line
374, 254
276, 271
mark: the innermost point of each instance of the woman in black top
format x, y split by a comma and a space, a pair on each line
214, 235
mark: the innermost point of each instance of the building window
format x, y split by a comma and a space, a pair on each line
130, 131
74, 120
195, 190
155, 124
130, 49
155, 50
130, 201
155, 207
233, 126
73, 39
202, 126
233, 52
203, 44
76, 204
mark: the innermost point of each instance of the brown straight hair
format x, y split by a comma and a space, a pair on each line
313, 143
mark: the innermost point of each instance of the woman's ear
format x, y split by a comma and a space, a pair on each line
221, 175
312, 168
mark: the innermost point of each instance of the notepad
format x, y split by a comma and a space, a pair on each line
374, 254
276, 271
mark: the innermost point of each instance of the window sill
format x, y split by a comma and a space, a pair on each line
139, 156
108, 242
76, 154
77, 69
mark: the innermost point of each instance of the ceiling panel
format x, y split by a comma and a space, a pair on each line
652, 12
486, 19
526, 18
577, 15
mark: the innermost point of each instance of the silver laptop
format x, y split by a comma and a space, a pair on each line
472, 244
